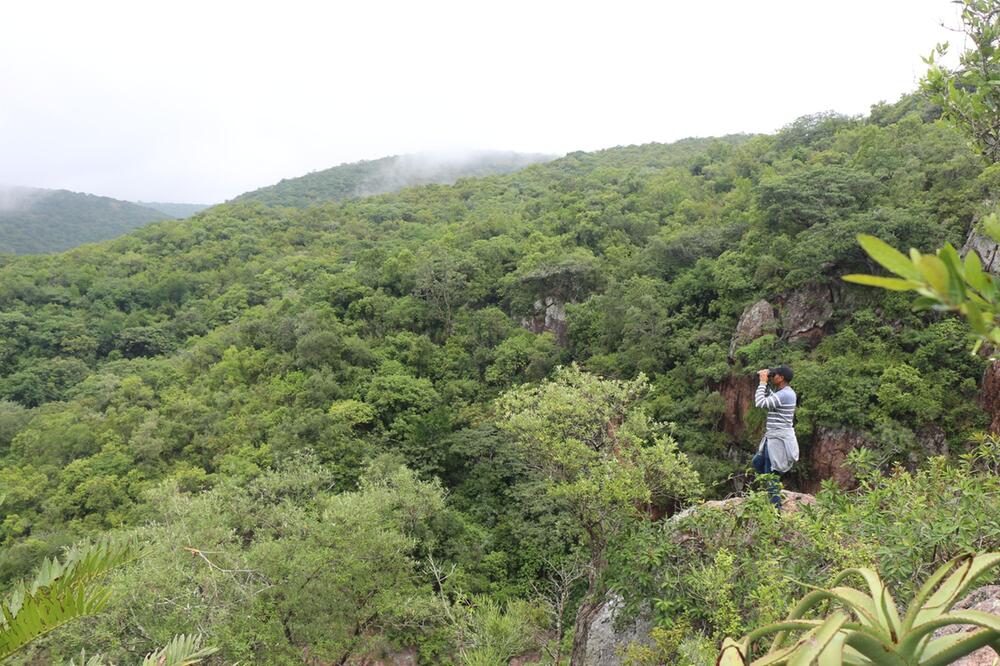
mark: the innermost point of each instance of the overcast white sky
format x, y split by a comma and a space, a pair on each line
200, 101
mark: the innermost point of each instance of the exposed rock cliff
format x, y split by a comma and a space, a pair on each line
806, 312
605, 645
803, 314
548, 316
757, 320
826, 455
986, 248
989, 253
737, 395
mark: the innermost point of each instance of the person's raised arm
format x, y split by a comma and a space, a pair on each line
760, 398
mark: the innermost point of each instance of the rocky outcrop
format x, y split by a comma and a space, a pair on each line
757, 320
737, 396
932, 440
987, 600
805, 313
605, 645
989, 394
407, 657
989, 254
985, 247
790, 503
549, 315
826, 456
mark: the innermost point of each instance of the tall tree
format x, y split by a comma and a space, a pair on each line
969, 96
597, 452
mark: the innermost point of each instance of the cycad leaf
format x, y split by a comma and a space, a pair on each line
61, 591
183, 651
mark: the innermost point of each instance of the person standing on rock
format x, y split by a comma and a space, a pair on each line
779, 449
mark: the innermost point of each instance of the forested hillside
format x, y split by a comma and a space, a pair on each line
388, 174
34, 220
328, 424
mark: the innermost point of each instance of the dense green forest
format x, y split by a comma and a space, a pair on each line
388, 174
34, 220
435, 420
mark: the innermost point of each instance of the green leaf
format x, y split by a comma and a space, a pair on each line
911, 643
61, 591
816, 642
991, 225
893, 284
889, 257
953, 264
950, 648
974, 315
961, 573
934, 273
974, 274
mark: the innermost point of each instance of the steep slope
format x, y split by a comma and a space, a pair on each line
177, 371
388, 174
34, 220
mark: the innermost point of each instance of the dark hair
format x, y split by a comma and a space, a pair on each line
784, 371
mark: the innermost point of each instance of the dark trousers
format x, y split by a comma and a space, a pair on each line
762, 465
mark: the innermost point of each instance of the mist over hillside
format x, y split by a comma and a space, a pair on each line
36, 220
389, 174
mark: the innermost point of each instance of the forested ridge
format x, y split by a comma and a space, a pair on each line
34, 220
325, 422
388, 174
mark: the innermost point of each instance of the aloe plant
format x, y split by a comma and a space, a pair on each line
865, 628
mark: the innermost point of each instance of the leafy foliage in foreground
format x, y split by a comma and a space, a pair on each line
62, 591
865, 627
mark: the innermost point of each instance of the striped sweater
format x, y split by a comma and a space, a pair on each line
780, 407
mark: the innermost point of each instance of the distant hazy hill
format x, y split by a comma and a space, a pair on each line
175, 210
34, 220
388, 175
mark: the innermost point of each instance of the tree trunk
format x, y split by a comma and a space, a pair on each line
591, 602
581, 629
